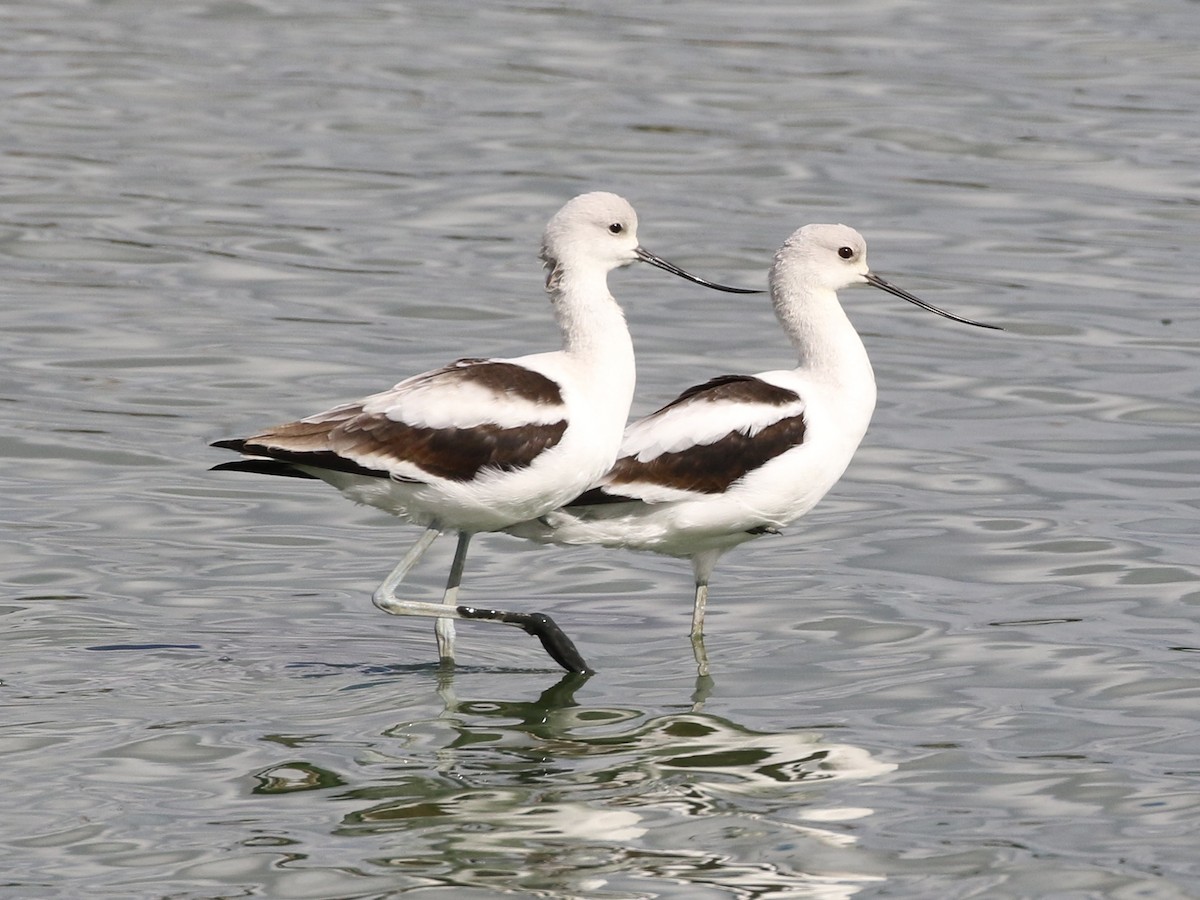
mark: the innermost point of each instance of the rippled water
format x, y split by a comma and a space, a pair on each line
971, 672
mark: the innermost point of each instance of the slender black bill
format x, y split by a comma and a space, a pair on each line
647, 256
876, 281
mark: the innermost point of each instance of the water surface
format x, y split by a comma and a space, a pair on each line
971, 672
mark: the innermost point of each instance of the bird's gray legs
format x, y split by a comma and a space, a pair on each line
541, 626
698, 608
444, 628
702, 566
385, 595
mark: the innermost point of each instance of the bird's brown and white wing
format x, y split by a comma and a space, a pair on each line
703, 442
455, 423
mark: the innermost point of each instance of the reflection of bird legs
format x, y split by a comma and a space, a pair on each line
701, 692
540, 625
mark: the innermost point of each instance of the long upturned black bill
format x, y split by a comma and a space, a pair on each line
647, 256
876, 281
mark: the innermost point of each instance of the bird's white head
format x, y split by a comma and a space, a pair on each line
596, 231
823, 257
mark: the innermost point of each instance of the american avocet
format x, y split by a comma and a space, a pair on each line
483, 443
744, 455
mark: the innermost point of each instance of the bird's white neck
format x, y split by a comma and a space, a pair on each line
597, 346
829, 349
592, 324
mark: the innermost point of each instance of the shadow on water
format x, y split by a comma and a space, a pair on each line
555, 795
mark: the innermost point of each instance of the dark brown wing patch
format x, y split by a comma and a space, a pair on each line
503, 379
710, 468
457, 454
734, 389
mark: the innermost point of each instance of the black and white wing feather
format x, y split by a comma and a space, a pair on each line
703, 442
453, 423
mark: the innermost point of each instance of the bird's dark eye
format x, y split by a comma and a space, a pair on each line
846, 252
616, 227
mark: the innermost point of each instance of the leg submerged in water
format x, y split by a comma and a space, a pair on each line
444, 627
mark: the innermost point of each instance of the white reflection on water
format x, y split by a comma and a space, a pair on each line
550, 795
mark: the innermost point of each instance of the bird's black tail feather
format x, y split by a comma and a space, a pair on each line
262, 467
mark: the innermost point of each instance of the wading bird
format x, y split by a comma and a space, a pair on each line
744, 455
